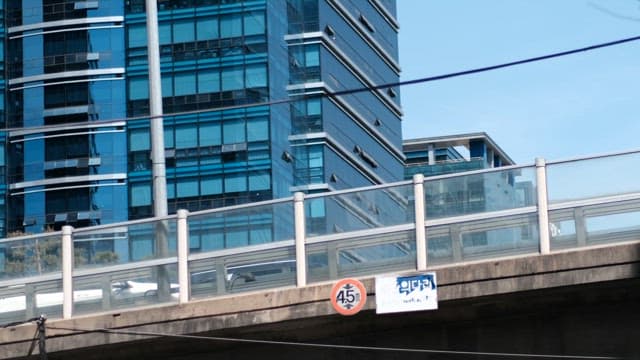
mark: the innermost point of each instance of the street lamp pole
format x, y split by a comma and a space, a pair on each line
155, 105
157, 145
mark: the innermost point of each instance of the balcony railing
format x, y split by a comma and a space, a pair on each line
401, 227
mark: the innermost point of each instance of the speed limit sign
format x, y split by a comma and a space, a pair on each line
348, 296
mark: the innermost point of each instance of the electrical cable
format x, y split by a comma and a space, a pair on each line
613, 13
334, 346
42, 338
11, 324
39, 335
298, 97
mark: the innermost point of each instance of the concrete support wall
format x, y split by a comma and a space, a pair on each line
488, 300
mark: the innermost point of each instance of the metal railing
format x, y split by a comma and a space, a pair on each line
405, 226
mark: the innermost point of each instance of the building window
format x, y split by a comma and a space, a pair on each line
304, 63
187, 187
68, 147
312, 55
231, 25
186, 136
209, 134
164, 33
140, 194
254, 23
302, 16
258, 129
237, 238
208, 81
211, 185
309, 168
66, 95
232, 79
306, 116
167, 85
235, 183
207, 28
183, 31
185, 83
233, 131
256, 75
138, 88
68, 200
137, 35
171, 188
259, 181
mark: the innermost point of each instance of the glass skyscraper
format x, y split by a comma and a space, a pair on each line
76, 92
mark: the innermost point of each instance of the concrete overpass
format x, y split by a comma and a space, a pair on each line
579, 302
539, 259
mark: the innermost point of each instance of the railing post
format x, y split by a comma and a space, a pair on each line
332, 260
543, 206
221, 277
457, 251
421, 234
182, 232
30, 301
581, 226
67, 272
105, 285
299, 226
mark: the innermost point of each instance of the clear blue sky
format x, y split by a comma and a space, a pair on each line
578, 105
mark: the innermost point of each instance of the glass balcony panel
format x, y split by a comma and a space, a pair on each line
30, 257
361, 256
122, 289
595, 224
606, 176
124, 243
19, 303
246, 226
480, 192
562, 231
445, 167
484, 239
613, 227
359, 210
243, 271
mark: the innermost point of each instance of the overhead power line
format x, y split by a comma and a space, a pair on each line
295, 97
613, 13
499, 66
335, 346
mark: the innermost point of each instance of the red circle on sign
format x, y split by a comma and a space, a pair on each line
348, 296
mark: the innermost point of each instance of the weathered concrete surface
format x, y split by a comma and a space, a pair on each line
306, 313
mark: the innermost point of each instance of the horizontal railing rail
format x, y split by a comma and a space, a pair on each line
594, 156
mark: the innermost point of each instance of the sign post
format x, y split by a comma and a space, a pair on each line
348, 296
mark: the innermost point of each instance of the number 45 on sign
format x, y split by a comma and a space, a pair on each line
348, 296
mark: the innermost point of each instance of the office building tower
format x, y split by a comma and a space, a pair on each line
452, 154
449, 154
77, 144
448, 193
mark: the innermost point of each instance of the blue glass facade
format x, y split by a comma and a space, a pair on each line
65, 71
212, 55
71, 64
350, 140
